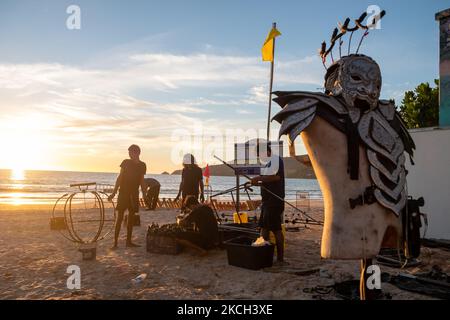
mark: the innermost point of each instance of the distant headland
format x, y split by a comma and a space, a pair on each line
295, 168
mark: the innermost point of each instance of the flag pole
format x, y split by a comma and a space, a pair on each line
271, 85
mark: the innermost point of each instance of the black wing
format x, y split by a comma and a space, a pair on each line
300, 108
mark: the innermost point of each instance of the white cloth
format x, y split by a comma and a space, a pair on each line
271, 167
187, 159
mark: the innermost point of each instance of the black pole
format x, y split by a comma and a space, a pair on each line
237, 193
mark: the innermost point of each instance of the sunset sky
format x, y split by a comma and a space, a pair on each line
144, 71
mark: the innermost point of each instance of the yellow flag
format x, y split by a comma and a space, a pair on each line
267, 49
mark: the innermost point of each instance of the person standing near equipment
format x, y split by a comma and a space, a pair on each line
191, 179
151, 196
131, 176
272, 185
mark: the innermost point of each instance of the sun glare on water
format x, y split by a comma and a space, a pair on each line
17, 174
25, 146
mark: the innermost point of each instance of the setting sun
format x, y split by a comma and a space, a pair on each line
23, 146
17, 174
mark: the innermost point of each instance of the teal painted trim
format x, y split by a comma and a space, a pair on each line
444, 87
444, 101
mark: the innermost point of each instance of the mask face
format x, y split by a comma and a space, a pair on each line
358, 80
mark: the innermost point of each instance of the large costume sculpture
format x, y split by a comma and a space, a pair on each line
357, 145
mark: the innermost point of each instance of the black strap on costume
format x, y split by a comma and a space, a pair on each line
411, 222
352, 149
368, 197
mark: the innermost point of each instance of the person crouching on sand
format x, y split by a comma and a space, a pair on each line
201, 222
131, 176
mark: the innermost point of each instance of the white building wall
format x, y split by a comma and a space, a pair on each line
430, 178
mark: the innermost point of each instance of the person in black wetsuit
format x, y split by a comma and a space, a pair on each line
191, 180
201, 222
130, 178
272, 205
151, 196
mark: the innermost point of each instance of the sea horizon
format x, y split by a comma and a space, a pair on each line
77, 171
46, 186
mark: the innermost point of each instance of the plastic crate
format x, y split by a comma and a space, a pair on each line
241, 253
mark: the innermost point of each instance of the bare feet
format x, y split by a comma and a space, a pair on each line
132, 245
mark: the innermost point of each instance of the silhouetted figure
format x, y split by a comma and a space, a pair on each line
272, 205
130, 178
201, 223
191, 179
152, 193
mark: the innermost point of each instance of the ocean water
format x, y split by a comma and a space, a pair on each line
43, 187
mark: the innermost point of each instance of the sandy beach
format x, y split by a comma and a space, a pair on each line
34, 260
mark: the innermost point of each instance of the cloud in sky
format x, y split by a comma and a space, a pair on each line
141, 98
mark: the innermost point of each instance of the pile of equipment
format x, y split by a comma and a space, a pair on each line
163, 239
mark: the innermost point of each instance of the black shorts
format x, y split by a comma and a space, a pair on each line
271, 217
128, 201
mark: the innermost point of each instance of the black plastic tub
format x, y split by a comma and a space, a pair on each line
242, 254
